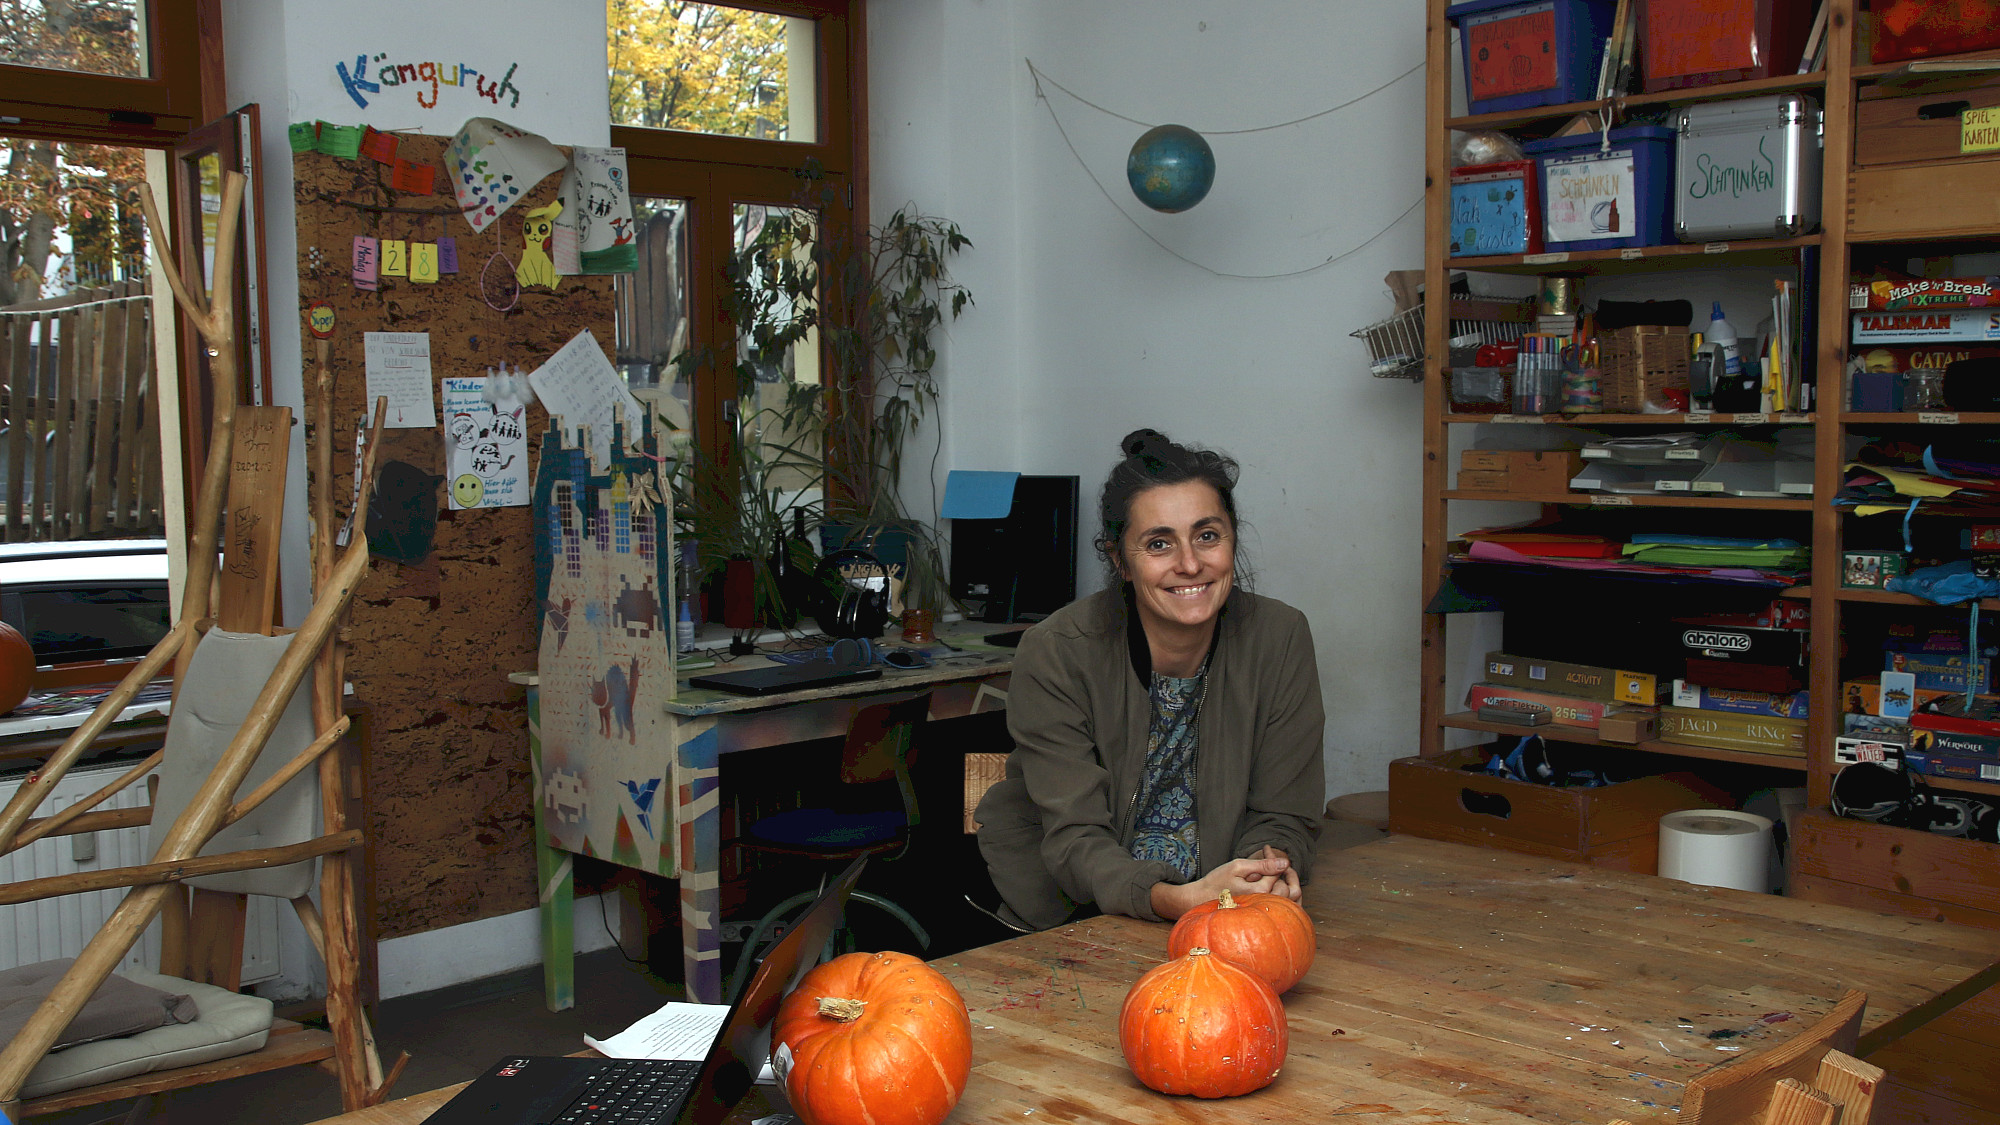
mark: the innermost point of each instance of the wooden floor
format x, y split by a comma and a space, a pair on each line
1946, 1072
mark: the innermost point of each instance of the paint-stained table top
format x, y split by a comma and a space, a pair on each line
1455, 984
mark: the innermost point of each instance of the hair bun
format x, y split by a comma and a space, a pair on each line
1143, 441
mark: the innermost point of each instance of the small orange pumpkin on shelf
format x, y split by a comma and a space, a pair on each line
1270, 935
873, 1039
1199, 1025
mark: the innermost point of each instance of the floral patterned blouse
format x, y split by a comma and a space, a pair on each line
1163, 826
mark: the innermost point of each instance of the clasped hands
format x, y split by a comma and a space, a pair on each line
1268, 872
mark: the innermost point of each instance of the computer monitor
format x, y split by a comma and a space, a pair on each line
1024, 563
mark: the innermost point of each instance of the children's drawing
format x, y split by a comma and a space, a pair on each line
486, 443
595, 232
491, 163
606, 664
535, 267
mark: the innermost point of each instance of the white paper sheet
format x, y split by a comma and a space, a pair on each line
580, 386
399, 369
675, 1031
492, 164
486, 444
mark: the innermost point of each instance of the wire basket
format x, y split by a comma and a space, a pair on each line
1396, 345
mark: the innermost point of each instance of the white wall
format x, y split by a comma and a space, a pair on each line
1085, 329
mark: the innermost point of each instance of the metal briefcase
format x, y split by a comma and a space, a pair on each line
1747, 168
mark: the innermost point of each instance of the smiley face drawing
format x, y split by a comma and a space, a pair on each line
468, 490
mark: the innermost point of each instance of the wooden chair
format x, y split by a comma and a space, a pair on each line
218, 779
1809, 1079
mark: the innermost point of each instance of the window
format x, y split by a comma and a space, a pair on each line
110, 70
721, 109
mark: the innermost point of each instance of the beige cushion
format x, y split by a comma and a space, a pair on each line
228, 1024
223, 680
118, 1007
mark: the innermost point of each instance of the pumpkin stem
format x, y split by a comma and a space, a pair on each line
1198, 951
844, 1010
1228, 901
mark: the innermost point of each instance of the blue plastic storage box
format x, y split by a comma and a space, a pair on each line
1594, 198
1522, 55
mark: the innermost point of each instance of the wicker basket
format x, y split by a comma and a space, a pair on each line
1637, 365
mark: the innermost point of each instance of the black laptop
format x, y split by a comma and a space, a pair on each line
786, 677
559, 1090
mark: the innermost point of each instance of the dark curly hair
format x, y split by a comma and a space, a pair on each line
1153, 460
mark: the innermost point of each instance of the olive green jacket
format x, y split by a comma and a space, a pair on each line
1056, 832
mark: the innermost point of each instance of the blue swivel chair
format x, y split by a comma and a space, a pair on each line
880, 744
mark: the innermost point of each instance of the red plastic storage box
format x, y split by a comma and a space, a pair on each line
1915, 29
1702, 42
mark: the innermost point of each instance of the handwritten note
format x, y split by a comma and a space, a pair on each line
580, 386
1979, 129
399, 369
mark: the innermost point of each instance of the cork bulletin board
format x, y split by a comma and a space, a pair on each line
432, 640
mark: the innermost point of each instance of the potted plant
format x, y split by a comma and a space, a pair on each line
878, 300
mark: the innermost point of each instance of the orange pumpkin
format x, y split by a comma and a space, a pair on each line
1270, 935
1199, 1025
17, 667
873, 1039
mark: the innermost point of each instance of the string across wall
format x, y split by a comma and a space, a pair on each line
1292, 207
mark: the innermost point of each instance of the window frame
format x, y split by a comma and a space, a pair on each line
715, 173
185, 90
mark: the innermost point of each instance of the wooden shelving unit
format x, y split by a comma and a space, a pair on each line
1848, 861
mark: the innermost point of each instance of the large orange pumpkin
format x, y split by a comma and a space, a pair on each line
1199, 1025
1270, 935
17, 667
873, 1039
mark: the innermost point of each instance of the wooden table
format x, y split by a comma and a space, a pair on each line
1455, 984
701, 726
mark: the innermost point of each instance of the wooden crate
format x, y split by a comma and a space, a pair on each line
1896, 870
1945, 199
1615, 826
1636, 365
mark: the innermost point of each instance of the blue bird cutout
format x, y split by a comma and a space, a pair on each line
642, 797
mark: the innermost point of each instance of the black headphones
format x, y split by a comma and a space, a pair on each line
853, 607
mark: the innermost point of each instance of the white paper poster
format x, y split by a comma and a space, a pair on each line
595, 232
491, 164
486, 445
581, 387
1590, 197
399, 369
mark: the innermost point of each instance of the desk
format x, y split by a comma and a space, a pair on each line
1455, 984
703, 725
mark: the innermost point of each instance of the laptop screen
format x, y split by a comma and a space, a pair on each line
744, 1043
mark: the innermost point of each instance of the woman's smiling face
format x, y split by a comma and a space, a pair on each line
1180, 555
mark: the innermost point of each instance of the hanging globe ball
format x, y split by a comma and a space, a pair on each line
1171, 168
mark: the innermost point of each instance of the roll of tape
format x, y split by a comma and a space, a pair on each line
1717, 848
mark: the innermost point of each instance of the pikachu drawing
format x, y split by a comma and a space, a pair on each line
536, 268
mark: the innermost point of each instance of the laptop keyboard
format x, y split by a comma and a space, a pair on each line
632, 1092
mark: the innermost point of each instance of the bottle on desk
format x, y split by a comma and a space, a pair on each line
684, 627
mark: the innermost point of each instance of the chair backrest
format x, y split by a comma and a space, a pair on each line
222, 682
881, 744
1740, 1091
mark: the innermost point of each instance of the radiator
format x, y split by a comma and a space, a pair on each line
59, 927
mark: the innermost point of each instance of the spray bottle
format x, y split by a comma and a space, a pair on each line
1735, 391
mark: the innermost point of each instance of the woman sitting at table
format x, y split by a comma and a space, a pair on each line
1167, 729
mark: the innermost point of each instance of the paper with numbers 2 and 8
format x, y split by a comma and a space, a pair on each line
399, 369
